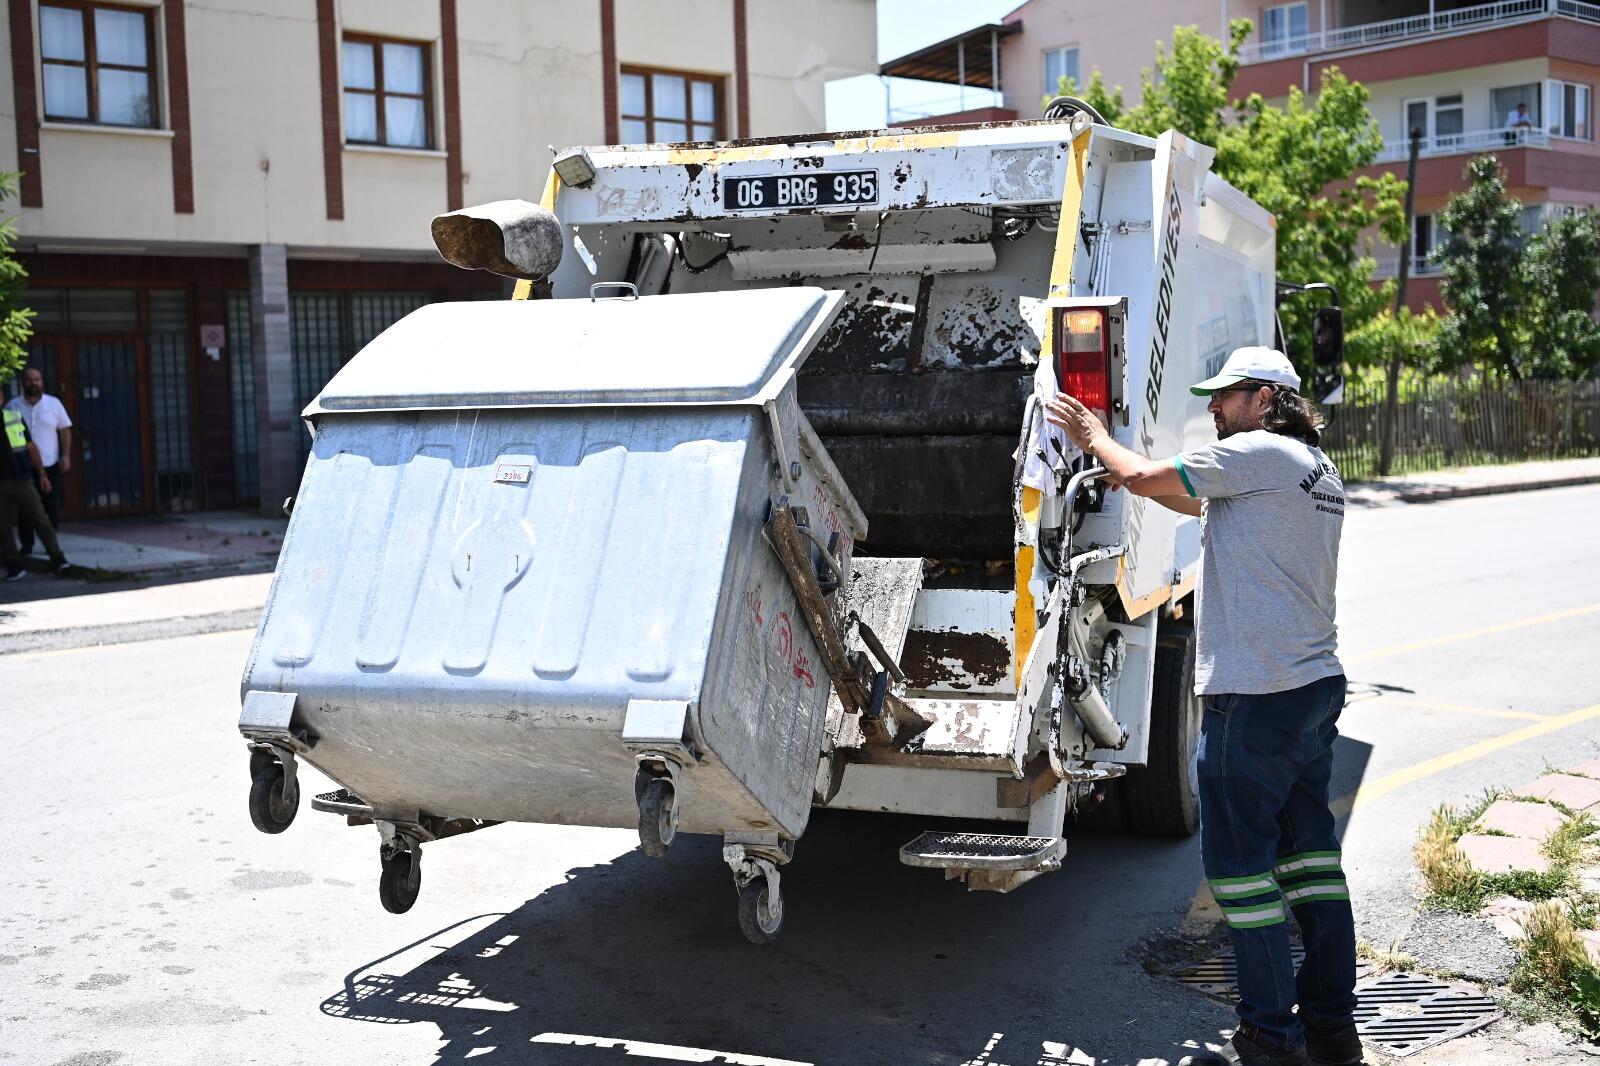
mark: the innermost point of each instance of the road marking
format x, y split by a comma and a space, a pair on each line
1400, 778
1471, 634
651, 1050
1456, 708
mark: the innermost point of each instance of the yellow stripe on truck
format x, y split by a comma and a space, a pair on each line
524, 289
1024, 626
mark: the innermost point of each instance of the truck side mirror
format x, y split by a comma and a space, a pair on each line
1327, 338
509, 237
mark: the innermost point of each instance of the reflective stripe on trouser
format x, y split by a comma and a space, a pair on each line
1248, 902
1309, 876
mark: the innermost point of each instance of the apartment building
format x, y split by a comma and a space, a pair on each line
222, 202
1457, 72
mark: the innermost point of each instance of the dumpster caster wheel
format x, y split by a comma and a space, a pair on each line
760, 912
400, 881
658, 817
274, 799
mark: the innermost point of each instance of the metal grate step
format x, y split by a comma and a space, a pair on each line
342, 801
983, 851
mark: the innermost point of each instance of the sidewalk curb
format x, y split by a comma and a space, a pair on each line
1375, 493
73, 637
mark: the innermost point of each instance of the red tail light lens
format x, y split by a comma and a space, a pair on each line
1083, 365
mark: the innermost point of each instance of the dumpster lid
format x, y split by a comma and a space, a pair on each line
736, 347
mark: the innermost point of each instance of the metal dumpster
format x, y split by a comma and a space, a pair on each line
525, 579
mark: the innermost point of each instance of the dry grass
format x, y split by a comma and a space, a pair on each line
1386, 959
1552, 953
1450, 878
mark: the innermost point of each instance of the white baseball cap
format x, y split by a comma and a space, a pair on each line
1251, 364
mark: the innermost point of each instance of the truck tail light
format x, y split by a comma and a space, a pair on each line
1083, 358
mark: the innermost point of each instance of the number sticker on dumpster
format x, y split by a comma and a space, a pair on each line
513, 474
778, 191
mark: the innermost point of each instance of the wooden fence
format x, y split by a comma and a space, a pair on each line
1444, 422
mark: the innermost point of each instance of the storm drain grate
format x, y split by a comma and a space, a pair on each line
1218, 976
1402, 1013
1405, 1013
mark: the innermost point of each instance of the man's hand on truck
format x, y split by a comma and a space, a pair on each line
1156, 478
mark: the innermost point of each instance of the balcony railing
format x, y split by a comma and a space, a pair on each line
1422, 266
971, 99
1465, 143
1501, 13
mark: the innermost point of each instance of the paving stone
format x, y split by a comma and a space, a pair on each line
1588, 769
1589, 879
1506, 914
1535, 821
1591, 943
1499, 855
1575, 792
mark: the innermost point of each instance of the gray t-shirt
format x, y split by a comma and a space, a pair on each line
1269, 535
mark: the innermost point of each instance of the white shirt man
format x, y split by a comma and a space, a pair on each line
48, 421
1518, 118
51, 429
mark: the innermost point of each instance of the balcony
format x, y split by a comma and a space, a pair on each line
1430, 24
1422, 266
1470, 142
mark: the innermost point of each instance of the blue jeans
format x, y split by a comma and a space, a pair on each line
1268, 839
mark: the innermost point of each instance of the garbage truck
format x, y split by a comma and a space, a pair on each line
744, 505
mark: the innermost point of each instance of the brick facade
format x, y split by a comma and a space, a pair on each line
178, 104
332, 98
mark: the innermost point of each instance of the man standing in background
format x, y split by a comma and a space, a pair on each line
19, 500
51, 429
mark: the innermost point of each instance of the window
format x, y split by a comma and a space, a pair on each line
1441, 119
1422, 244
1567, 108
386, 97
664, 106
98, 64
1283, 29
1060, 63
1503, 105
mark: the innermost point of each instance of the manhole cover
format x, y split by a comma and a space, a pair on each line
1402, 1013
1405, 1013
1218, 976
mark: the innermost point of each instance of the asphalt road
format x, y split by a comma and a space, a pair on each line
145, 921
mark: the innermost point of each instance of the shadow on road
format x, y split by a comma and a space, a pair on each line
641, 959
878, 963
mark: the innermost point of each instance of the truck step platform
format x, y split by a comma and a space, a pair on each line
983, 851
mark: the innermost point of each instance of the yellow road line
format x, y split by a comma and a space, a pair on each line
1471, 634
1400, 778
1456, 708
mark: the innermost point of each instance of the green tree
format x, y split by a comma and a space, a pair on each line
1561, 277
16, 322
1483, 281
1298, 161
1413, 336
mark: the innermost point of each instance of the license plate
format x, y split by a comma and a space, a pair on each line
777, 191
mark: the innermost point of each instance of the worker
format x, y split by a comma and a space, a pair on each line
1271, 506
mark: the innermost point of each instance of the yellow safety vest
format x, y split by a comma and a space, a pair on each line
16, 432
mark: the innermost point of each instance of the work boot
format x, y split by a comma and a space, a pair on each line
1333, 1045
1242, 1051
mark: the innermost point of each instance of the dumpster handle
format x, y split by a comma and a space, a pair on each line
631, 294
833, 564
